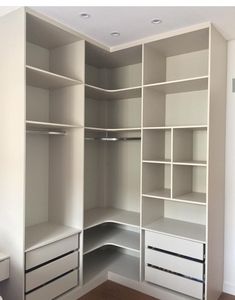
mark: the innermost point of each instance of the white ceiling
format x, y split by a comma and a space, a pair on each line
134, 23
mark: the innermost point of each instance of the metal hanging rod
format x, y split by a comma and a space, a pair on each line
44, 132
112, 139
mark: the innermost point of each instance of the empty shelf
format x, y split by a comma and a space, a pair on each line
176, 127
98, 93
161, 193
186, 230
97, 216
112, 129
159, 161
48, 125
109, 259
193, 197
3, 256
109, 235
44, 79
180, 86
43, 234
200, 163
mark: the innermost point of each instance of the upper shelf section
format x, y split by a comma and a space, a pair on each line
44, 79
98, 93
176, 58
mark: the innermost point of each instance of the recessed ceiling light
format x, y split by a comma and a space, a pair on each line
156, 21
115, 34
84, 15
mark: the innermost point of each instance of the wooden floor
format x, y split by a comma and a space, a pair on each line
113, 291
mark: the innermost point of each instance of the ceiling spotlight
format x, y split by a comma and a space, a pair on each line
115, 34
156, 21
84, 15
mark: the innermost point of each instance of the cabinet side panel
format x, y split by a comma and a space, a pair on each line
216, 170
12, 150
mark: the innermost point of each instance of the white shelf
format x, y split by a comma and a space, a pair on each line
3, 256
98, 93
186, 230
166, 161
110, 260
97, 216
180, 86
112, 129
48, 125
44, 79
161, 193
43, 234
193, 197
176, 127
200, 163
109, 235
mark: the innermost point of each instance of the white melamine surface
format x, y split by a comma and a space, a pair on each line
180, 86
110, 260
185, 230
100, 215
113, 129
193, 197
45, 233
3, 256
45, 125
110, 235
98, 93
161, 193
44, 79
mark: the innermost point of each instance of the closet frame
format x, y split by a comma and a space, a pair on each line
125, 226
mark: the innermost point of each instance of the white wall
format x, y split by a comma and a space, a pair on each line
229, 267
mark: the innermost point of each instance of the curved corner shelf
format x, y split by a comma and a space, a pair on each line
44, 79
97, 237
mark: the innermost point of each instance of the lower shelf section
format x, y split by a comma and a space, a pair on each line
185, 230
112, 260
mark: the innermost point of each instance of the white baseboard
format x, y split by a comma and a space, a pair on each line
229, 288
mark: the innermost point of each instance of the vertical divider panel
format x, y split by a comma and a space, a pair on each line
172, 151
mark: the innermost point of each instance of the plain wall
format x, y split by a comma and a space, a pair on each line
229, 266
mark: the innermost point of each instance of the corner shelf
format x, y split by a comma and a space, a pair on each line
42, 234
98, 93
180, 86
185, 230
97, 216
108, 259
48, 125
109, 235
44, 79
112, 129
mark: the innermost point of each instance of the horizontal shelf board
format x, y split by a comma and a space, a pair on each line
49, 125
112, 129
98, 93
161, 193
180, 86
3, 256
193, 197
166, 161
43, 234
109, 235
44, 79
201, 163
97, 216
186, 230
111, 260
187, 200
176, 127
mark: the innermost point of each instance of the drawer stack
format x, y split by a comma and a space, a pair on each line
52, 270
175, 263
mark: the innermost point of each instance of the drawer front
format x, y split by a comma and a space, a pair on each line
174, 244
177, 283
50, 271
173, 263
51, 251
55, 288
4, 269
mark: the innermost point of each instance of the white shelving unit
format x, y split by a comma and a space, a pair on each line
80, 198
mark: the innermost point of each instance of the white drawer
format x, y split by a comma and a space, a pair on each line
4, 269
177, 283
55, 288
174, 244
173, 263
50, 271
51, 251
